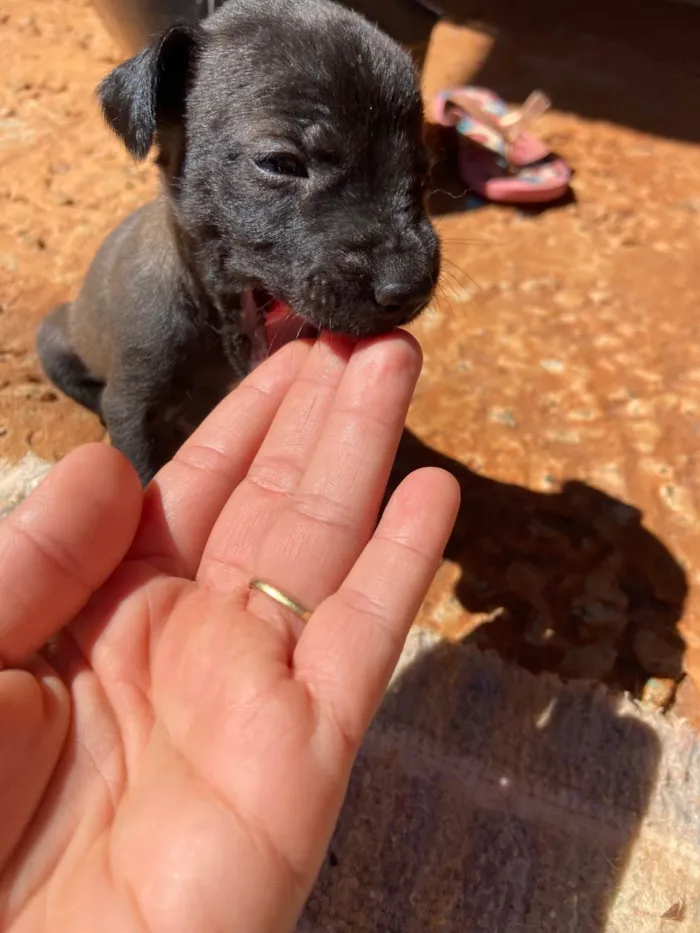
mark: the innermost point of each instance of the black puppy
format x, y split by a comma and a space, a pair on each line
289, 138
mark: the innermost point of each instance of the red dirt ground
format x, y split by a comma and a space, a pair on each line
572, 353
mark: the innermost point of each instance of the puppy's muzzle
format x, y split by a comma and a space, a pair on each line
402, 299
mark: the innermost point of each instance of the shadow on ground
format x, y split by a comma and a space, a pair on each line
487, 800
624, 62
450, 195
570, 582
629, 63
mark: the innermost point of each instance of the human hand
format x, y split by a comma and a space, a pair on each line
174, 746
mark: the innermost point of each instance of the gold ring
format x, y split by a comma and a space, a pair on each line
279, 597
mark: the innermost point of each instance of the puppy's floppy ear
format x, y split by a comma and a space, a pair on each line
149, 89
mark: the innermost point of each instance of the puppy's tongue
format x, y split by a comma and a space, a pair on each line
282, 325
269, 324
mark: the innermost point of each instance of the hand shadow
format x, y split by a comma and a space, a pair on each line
571, 582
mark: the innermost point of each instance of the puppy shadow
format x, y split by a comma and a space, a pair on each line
569, 582
487, 799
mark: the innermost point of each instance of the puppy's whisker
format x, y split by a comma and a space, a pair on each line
442, 297
287, 317
450, 298
452, 284
456, 310
454, 197
452, 266
449, 279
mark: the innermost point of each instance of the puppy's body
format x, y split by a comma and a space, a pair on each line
136, 347
289, 140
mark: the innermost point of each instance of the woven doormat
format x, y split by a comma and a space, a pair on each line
18, 479
488, 800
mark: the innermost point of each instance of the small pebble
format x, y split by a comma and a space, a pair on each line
553, 366
659, 693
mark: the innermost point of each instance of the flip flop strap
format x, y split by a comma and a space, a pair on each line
512, 124
517, 122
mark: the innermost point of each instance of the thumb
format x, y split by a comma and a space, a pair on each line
62, 543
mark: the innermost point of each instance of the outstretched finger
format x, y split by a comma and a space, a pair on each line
352, 643
183, 502
319, 531
279, 465
62, 543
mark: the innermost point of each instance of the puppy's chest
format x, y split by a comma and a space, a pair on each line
203, 377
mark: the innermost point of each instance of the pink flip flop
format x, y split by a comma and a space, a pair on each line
499, 158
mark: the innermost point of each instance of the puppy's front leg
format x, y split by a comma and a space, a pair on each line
127, 418
131, 407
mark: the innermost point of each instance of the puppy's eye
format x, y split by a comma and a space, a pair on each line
282, 163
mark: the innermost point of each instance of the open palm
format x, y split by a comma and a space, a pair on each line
175, 747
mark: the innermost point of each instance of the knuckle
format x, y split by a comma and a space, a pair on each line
325, 510
275, 475
202, 458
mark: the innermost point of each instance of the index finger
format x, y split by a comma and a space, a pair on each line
183, 502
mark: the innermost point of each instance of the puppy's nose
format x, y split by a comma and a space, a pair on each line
394, 297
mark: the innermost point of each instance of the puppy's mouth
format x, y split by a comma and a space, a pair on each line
270, 323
